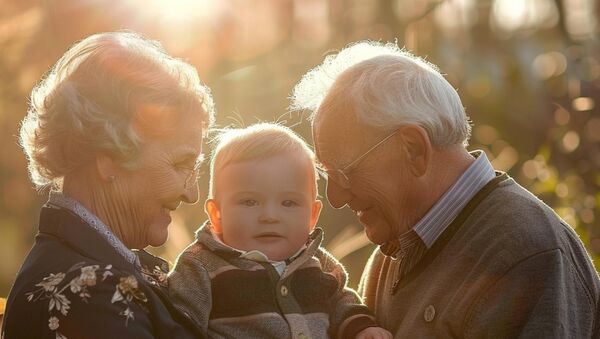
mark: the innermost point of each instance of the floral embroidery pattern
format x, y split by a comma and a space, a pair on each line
156, 276
126, 291
54, 289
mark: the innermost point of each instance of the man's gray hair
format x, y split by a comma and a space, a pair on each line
91, 99
386, 87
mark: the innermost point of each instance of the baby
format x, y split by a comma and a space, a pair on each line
256, 269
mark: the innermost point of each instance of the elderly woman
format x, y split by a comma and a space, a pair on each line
115, 130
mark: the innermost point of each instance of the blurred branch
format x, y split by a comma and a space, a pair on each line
347, 241
432, 6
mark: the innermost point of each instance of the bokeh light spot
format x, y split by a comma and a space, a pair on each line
589, 201
549, 64
580, 20
530, 169
562, 190
583, 104
587, 216
506, 159
514, 15
543, 174
562, 116
570, 141
485, 134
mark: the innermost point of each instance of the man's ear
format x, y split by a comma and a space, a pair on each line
107, 168
214, 215
417, 148
315, 211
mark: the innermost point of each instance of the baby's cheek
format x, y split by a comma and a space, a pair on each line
232, 237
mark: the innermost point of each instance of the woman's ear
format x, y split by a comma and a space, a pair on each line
314, 213
417, 148
106, 167
214, 215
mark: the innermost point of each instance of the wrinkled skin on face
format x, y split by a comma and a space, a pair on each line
383, 193
136, 203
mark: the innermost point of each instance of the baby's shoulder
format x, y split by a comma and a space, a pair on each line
329, 263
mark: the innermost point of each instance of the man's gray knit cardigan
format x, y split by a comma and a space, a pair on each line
233, 297
506, 267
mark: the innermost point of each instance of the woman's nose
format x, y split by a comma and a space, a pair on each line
337, 196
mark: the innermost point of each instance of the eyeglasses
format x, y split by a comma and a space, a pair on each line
340, 176
192, 177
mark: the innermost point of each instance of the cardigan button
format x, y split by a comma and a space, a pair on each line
429, 313
284, 291
302, 336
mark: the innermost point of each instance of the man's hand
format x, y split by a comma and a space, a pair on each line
374, 333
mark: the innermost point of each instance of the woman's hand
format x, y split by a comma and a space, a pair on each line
374, 333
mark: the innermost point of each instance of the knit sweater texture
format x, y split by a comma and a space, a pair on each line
229, 296
506, 267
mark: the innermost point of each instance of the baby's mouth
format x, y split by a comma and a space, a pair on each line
268, 236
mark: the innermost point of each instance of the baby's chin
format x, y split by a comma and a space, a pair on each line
277, 257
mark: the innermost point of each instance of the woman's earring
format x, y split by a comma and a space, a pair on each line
112, 178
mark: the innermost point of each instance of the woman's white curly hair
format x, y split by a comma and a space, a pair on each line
90, 99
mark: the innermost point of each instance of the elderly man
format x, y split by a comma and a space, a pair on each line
464, 250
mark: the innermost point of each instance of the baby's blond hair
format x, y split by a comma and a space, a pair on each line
256, 142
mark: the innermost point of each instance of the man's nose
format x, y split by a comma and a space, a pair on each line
190, 193
337, 196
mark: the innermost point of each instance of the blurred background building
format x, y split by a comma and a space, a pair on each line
528, 72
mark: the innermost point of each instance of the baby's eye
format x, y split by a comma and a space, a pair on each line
249, 202
289, 203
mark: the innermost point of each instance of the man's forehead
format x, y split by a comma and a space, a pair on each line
335, 137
